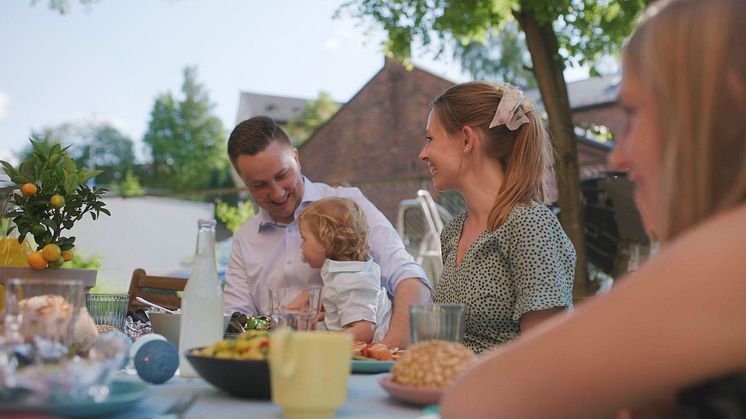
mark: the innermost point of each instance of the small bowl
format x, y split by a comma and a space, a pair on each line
246, 379
169, 325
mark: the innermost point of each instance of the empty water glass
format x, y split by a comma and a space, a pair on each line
108, 309
437, 321
296, 308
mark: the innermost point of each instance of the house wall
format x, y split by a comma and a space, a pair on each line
374, 141
156, 234
594, 160
611, 115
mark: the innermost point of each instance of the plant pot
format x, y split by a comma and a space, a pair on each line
88, 276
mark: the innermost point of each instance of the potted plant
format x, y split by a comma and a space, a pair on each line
53, 196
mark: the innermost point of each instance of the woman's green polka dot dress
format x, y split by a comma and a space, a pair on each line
527, 264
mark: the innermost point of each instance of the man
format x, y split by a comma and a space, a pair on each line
266, 250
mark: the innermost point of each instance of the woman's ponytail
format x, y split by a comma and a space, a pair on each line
525, 169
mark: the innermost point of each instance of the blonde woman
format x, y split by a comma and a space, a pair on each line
334, 234
675, 331
506, 257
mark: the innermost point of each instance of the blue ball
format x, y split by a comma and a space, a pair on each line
156, 361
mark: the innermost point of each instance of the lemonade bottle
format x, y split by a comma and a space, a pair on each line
202, 302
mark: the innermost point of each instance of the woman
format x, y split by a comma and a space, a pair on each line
506, 257
679, 320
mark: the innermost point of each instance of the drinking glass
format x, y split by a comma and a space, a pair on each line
108, 309
437, 321
296, 308
40, 316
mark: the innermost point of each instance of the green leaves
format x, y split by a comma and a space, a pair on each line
54, 173
315, 114
586, 29
187, 141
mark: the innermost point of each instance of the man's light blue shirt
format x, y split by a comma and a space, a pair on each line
267, 254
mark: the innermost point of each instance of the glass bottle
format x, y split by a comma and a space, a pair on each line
202, 301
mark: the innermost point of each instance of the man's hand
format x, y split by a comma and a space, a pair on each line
408, 291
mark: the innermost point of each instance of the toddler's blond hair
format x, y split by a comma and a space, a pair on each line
340, 226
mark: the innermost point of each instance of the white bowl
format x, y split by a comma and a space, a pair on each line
169, 325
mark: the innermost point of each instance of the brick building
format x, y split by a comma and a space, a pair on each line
375, 138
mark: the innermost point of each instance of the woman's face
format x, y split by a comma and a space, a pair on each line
442, 153
639, 149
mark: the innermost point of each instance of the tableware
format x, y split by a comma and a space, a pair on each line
309, 372
296, 308
108, 309
247, 379
437, 321
371, 367
123, 396
154, 305
413, 395
40, 315
169, 325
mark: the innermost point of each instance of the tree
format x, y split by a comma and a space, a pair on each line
130, 186
98, 145
234, 216
63, 6
187, 142
315, 114
105, 148
556, 31
502, 55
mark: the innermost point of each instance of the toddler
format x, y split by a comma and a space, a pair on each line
334, 234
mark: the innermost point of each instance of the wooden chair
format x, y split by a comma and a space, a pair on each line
160, 290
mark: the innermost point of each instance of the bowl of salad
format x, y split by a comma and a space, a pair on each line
237, 365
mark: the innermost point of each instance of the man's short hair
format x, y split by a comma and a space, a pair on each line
254, 135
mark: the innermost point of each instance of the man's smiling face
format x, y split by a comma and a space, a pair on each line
274, 179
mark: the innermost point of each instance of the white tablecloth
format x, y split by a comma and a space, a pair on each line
365, 399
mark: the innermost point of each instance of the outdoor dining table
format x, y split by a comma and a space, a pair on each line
365, 399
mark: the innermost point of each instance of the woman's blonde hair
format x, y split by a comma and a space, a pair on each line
340, 226
525, 153
690, 55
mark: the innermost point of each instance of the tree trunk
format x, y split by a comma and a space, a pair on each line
547, 65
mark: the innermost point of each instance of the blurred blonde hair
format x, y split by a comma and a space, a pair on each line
340, 226
525, 153
690, 55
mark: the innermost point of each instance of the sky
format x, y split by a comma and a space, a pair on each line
110, 60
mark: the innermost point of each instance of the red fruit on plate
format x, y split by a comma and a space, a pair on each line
378, 351
357, 348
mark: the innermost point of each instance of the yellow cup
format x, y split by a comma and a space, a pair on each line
309, 372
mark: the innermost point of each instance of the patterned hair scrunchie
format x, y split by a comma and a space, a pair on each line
509, 111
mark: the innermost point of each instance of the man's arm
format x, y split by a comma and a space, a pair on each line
408, 291
361, 330
237, 293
